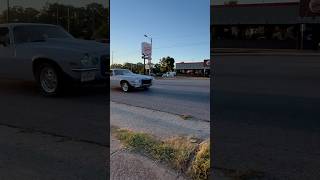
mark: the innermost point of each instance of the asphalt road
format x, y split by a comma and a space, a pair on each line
176, 96
266, 114
42, 135
51, 138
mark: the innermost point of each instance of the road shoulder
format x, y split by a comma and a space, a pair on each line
32, 155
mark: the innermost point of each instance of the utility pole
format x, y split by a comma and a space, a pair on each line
8, 11
144, 64
112, 58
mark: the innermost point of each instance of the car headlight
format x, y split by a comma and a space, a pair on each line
86, 60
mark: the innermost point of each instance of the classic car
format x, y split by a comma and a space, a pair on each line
51, 56
128, 80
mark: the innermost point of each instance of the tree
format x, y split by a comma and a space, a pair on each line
116, 66
157, 68
231, 2
166, 64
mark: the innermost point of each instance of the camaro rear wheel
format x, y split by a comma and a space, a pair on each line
125, 86
49, 80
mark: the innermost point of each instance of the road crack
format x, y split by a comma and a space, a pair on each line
52, 134
190, 118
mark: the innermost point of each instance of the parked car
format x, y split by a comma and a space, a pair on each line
50, 56
169, 74
128, 80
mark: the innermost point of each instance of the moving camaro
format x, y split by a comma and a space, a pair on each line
128, 80
51, 56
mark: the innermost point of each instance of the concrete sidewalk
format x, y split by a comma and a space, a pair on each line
160, 124
125, 165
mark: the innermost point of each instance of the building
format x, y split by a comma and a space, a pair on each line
285, 25
193, 68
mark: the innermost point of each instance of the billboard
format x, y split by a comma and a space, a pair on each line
146, 49
309, 8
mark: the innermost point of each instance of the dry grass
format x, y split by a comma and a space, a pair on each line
177, 151
200, 167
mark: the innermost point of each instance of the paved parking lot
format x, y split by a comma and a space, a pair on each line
267, 115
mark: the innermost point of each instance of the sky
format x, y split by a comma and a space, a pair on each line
179, 29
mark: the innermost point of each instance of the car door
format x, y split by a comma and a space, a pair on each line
6, 53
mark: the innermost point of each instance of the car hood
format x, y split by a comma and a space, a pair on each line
137, 76
76, 44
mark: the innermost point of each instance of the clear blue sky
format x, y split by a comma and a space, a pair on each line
180, 29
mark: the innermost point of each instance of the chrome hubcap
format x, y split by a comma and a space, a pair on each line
125, 87
48, 80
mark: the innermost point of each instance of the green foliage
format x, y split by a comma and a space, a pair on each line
136, 68
116, 66
231, 2
90, 22
157, 68
166, 64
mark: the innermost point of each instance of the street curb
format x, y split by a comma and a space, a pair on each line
152, 109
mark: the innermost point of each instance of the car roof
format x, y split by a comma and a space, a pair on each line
24, 24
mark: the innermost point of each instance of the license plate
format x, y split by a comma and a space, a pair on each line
87, 76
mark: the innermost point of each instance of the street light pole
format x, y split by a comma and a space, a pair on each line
144, 64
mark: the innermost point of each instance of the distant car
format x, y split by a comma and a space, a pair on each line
51, 56
169, 74
128, 80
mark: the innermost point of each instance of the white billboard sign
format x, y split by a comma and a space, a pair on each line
146, 49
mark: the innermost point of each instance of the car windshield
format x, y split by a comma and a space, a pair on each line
122, 72
23, 34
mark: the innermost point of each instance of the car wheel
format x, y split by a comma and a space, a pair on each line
49, 80
125, 86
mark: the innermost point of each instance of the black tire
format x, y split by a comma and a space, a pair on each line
56, 86
125, 86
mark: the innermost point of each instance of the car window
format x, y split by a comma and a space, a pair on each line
4, 37
122, 72
23, 34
